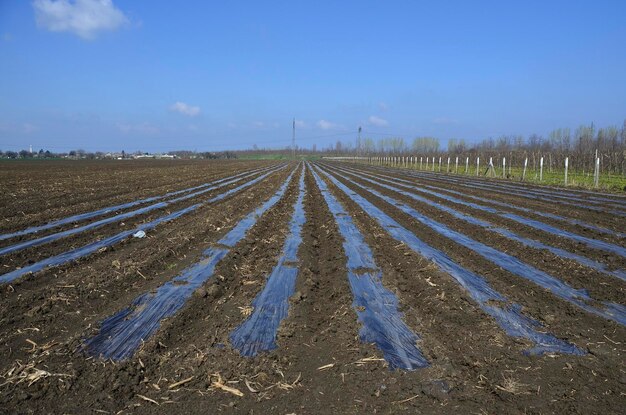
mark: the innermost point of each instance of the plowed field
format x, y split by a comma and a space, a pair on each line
306, 288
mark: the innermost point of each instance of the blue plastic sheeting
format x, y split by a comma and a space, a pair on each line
508, 206
376, 306
258, 332
549, 215
600, 267
578, 297
534, 193
103, 211
508, 315
121, 334
116, 218
95, 246
592, 243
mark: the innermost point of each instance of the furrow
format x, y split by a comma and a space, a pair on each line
578, 297
258, 332
600, 267
508, 315
121, 334
97, 245
505, 205
375, 305
110, 209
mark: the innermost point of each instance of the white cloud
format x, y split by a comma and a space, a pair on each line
377, 121
326, 125
82, 17
300, 124
185, 109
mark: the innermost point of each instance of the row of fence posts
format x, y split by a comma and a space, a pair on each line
431, 162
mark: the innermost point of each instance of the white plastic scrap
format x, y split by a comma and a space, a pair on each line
139, 234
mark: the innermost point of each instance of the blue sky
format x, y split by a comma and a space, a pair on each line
164, 75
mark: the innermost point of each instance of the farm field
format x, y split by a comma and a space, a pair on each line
269, 286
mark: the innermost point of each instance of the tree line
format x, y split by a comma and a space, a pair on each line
581, 146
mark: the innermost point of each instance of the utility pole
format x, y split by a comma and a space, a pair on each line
293, 140
358, 143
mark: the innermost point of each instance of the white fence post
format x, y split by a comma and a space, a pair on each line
466, 165
477, 166
439, 164
456, 165
541, 169
448, 168
596, 173
421, 158
503, 167
566, 165
525, 165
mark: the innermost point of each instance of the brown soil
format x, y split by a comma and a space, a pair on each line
320, 365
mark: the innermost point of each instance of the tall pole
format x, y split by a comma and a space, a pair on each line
293, 140
358, 143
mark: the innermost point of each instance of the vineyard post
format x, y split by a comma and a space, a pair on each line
503, 167
566, 165
477, 166
596, 173
456, 165
466, 165
525, 165
541, 169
